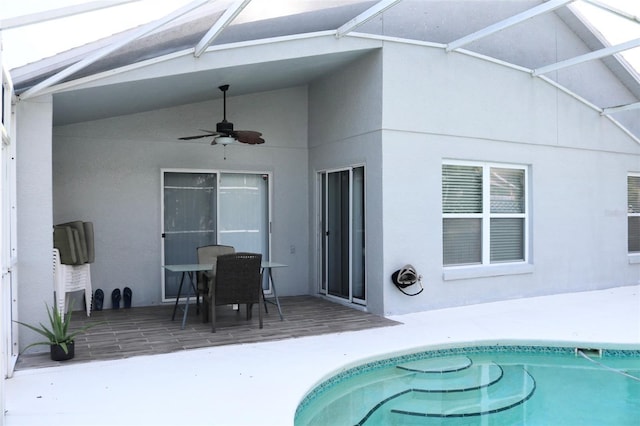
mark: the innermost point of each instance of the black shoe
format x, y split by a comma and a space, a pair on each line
98, 300
126, 297
115, 299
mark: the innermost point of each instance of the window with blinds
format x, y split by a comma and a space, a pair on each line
484, 214
633, 203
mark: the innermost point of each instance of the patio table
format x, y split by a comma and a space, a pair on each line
189, 269
186, 270
268, 266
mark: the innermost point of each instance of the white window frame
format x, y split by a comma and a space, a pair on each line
485, 268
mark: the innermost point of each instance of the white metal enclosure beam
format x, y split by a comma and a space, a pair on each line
227, 17
366, 16
63, 12
615, 109
506, 23
6, 98
597, 54
613, 10
145, 29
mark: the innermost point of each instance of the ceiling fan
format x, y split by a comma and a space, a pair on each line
224, 133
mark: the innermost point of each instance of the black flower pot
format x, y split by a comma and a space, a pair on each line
58, 354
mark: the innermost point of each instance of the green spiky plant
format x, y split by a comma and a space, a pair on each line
58, 331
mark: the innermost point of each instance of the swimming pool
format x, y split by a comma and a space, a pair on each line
491, 385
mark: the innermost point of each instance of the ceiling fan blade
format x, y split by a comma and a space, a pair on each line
207, 134
250, 137
188, 138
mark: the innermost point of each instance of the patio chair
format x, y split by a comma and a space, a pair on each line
238, 281
209, 254
75, 242
70, 278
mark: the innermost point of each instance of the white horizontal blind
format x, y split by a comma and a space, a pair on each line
633, 203
507, 236
507, 190
507, 215
461, 189
462, 206
462, 241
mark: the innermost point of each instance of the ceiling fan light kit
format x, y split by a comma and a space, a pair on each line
224, 140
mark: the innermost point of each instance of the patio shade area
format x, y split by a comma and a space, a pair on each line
125, 333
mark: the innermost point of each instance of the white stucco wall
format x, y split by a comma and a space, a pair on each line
345, 113
464, 108
542, 40
34, 222
108, 172
452, 106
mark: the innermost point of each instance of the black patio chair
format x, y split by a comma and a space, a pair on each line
209, 254
238, 281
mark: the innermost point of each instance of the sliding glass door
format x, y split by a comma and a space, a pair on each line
343, 234
243, 212
208, 207
190, 204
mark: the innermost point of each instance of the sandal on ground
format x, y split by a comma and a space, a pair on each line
126, 297
115, 299
98, 300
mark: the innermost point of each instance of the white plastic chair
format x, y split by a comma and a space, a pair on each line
70, 278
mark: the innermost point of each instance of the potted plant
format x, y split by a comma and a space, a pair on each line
60, 340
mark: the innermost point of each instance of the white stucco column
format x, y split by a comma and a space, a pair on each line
34, 121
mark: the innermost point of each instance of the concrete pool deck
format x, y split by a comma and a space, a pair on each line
263, 383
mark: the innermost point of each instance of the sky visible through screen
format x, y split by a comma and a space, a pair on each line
29, 44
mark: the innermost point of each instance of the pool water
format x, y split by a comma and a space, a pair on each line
483, 386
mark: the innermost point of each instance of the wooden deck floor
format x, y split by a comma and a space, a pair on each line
124, 333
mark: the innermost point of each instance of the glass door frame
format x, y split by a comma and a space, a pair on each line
322, 191
218, 173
